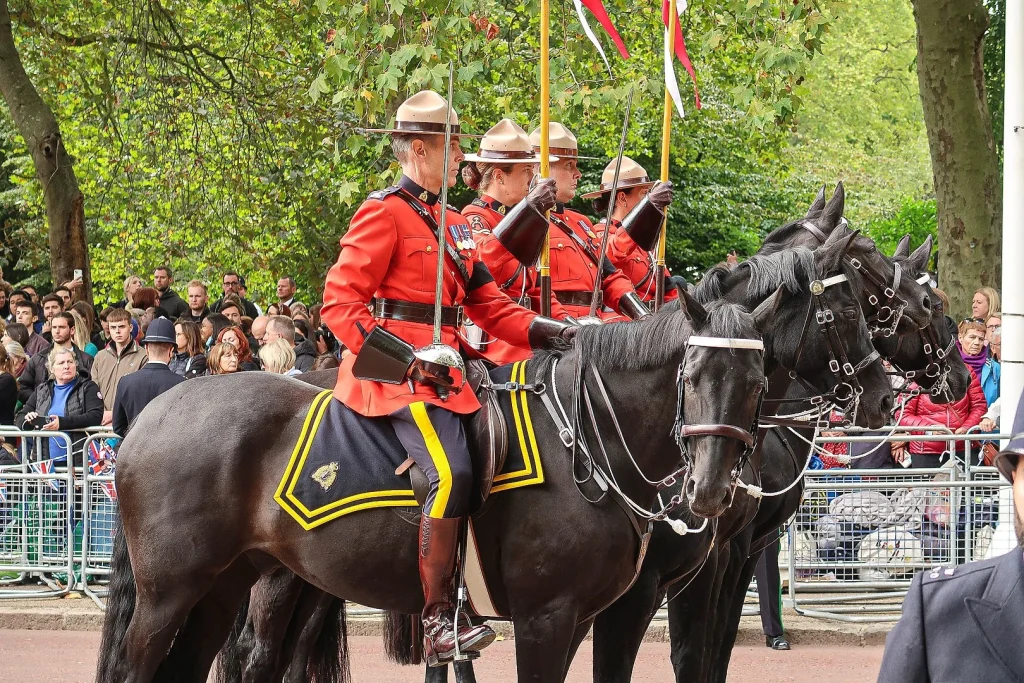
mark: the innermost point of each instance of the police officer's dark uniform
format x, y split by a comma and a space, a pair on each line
379, 302
964, 623
137, 389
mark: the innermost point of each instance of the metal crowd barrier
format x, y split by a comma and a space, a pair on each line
38, 519
860, 535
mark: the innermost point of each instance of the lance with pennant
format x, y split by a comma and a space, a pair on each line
545, 148
666, 145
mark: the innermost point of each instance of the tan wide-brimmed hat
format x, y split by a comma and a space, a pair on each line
423, 113
506, 143
631, 174
561, 142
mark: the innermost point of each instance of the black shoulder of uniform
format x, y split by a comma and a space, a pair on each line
479, 202
381, 194
949, 573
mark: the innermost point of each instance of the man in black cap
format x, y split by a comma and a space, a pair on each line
966, 623
135, 391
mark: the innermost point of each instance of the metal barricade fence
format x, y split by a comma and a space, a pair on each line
99, 502
38, 518
860, 535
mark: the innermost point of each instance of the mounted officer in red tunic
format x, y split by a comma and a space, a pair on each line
639, 213
508, 222
575, 246
379, 300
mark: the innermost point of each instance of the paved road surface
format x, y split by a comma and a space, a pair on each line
70, 657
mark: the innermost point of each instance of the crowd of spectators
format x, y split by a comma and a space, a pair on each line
62, 360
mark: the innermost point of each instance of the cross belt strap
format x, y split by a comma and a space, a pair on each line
432, 224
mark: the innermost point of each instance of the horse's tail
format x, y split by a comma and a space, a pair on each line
120, 608
403, 638
328, 661
229, 659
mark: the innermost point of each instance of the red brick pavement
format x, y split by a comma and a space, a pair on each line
70, 657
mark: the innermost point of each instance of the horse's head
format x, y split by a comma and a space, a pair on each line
928, 357
892, 301
822, 338
720, 384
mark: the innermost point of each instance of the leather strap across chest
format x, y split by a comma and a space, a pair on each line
428, 218
580, 242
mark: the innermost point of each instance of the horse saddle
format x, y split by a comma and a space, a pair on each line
486, 434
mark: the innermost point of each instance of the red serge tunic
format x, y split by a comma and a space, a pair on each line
512, 277
635, 263
574, 250
390, 251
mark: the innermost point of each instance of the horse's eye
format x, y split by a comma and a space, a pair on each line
850, 314
686, 378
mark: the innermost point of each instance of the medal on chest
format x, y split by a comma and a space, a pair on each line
462, 237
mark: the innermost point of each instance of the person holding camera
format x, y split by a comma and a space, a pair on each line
68, 400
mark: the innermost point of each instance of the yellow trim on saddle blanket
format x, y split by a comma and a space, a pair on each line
527, 471
311, 519
533, 471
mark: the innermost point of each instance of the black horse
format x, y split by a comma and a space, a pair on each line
794, 271
195, 538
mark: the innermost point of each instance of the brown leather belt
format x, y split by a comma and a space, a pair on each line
413, 312
579, 298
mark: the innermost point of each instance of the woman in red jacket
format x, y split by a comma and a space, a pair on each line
959, 416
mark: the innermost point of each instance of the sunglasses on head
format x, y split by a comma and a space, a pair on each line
973, 320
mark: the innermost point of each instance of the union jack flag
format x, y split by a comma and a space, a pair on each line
101, 462
46, 467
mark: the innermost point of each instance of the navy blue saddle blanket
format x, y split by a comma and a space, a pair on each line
344, 462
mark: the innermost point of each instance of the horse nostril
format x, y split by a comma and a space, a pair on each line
691, 488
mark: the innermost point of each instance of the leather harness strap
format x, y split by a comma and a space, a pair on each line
728, 431
456, 257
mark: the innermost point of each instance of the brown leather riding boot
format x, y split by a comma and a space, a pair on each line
439, 539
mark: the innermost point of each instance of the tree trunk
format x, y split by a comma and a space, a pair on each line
65, 205
950, 41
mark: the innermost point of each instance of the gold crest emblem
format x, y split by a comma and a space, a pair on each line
423, 196
817, 287
325, 475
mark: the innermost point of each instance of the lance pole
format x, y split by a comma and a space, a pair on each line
666, 145
545, 148
599, 277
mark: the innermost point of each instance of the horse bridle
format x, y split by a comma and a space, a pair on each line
848, 388
938, 357
683, 431
574, 438
889, 313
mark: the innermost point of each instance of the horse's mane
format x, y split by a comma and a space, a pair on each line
790, 269
659, 340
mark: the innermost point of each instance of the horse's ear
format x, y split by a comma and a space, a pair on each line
833, 211
767, 310
817, 205
692, 309
918, 261
829, 255
902, 249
